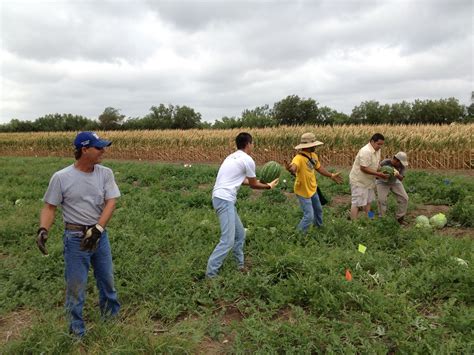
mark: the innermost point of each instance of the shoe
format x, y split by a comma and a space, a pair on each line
244, 269
402, 221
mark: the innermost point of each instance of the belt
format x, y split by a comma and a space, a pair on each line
76, 227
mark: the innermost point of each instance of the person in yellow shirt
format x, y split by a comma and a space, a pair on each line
303, 166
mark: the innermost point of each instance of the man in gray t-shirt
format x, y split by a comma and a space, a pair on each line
86, 192
394, 184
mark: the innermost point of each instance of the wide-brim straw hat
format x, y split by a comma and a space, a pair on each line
402, 156
308, 140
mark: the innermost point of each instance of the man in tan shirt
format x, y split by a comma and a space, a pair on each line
363, 173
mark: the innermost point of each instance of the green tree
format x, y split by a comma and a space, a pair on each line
111, 119
293, 110
16, 125
371, 112
470, 113
260, 116
227, 123
400, 113
185, 117
160, 117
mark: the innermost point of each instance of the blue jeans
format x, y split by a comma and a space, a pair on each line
232, 236
77, 263
312, 212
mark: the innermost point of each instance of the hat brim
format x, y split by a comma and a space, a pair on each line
308, 145
403, 162
101, 144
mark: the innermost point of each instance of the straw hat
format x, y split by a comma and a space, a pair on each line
308, 140
402, 156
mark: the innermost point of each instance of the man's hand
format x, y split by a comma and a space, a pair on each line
290, 167
41, 238
383, 176
337, 178
91, 238
273, 183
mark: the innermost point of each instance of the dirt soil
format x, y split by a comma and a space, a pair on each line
13, 324
428, 210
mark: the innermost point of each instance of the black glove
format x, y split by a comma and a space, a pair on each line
91, 238
41, 238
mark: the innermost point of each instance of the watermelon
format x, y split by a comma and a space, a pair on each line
422, 222
386, 169
270, 171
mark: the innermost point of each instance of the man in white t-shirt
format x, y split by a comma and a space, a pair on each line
236, 170
363, 173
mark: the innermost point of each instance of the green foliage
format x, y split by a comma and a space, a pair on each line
166, 117
371, 112
463, 211
407, 291
420, 111
291, 110
52, 123
110, 119
435, 189
258, 117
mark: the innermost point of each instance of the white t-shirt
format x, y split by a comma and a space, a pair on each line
232, 173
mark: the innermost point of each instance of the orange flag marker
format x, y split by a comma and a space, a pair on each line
348, 275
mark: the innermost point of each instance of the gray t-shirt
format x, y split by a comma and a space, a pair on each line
393, 180
82, 195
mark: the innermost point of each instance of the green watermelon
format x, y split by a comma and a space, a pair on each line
270, 171
389, 171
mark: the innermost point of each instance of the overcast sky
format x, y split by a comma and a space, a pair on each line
221, 57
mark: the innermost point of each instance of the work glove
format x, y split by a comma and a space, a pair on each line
41, 238
91, 238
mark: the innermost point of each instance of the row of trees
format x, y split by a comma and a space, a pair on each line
292, 110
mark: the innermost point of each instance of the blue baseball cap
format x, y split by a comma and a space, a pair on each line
90, 139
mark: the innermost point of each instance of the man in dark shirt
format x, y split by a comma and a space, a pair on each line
399, 162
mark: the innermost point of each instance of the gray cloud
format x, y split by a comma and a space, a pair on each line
222, 57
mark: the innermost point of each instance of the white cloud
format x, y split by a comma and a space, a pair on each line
222, 57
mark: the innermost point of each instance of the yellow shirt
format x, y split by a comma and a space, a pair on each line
368, 157
305, 183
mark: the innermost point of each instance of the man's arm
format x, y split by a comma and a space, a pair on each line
292, 168
47, 216
398, 175
334, 177
370, 171
257, 185
107, 212
46, 221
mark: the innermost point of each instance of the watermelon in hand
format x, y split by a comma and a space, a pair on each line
270, 171
390, 171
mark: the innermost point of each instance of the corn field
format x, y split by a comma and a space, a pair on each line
427, 146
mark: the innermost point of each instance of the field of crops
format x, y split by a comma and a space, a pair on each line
410, 293
428, 146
